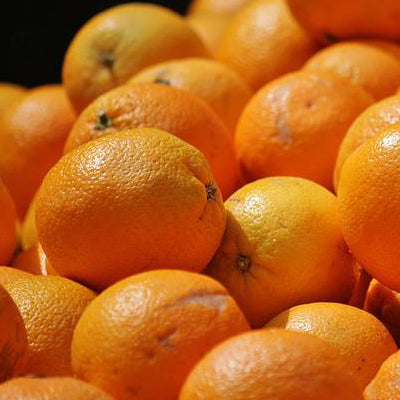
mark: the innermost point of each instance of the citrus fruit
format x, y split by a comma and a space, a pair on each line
34, 261
10, 274
220, 7
10, 93
8, 224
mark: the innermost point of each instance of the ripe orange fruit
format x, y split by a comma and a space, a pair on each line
34, 261
28, 231
32, 135
264, 42
385, 385
216, 84
384, 303
358, 336
35, 388
329, 20
390, 47
282, 247
366, 65
121, 41
10, 274
294, 126
368, 124
142, 336
10, 93
369, 206
152, 189
271, 364
13, 342
360, 289
219, 7
8, 224
50, 307
160, 106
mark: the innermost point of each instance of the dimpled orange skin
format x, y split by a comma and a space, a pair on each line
143, 335
159, 106
32, 136
366, 65
371, 122
359, 337
369, 204
50, 307
10, 274
10, 93
60, 388
271, 364
216, 84
13, 342
34, 261
145, 186
220, 7
8, 224
385, 385
119, 42
282, 247
294, 126
341, 19
264, 42
384, 303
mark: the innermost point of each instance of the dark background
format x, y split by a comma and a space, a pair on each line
36, 34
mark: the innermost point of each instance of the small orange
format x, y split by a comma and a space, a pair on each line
36, 388
50, 307
369, 206
385, 385
282, 247
32, 135
271, 364
359, 337
330, 20
375, 69
8, 225
34, 261
219, 7
371, 122
159, 106
213, 82
10, 274
121, 41
13, 342
151, 200
140, 338
294, 126
10, 93
264, 42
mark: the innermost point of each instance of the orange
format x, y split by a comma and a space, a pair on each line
13, 342
32, 135
159, 106
213, 82
10, 274
363, 280
359, 337
121, 41
271, 364
50, 307
384, 303
370, 123
210, 28
294, 126
282, 247
369, 206
151, 200
390, 47
385, 386
219, 7
10, 93
34, 261
369, 66
8, 224
29, 388
141, 337
264, 42
330, 20
28, 230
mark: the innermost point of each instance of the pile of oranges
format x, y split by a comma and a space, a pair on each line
207, 207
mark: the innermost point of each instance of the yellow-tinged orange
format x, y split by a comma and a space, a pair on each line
359, 337
216, 84
50, 307
10, 274
369, 206
282, 246
271, 364
141, 337
10, 93
219, 7
119, 42
151, 200
264, 41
